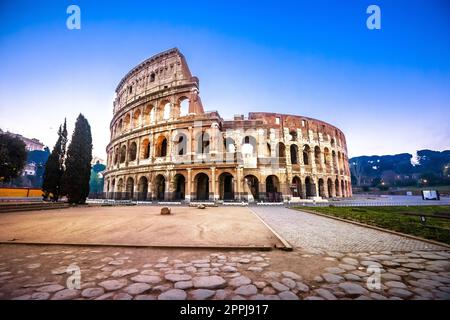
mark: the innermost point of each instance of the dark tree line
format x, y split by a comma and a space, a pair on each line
13, 156
430, 168
67, 173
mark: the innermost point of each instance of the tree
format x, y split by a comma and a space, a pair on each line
54, 168
12, 157
78, 162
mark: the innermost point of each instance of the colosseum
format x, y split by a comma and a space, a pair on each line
165, 147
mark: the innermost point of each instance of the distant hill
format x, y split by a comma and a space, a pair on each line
428, 168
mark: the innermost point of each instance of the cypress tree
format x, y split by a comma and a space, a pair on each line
54, 168
78, 162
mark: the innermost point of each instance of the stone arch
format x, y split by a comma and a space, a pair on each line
343, 192
322, 188
137, 118
317, 156
252, 186
123, 154
248, 145
309, 187
306, 153
183, 106
148, 114
132, 151
336, 186
281, 153
116, 155
226, 186
120, 189
332, 142
160, 187
201, 182
179, 187
145, 149
120, 126
126, 122
293, 134
142, 189
297, 188
333, 160
203, 143
112, 191
294, 154
161, 146
180, 144
229, 145
129, 188
330, 188
273, 188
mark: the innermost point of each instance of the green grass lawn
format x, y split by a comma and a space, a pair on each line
393, 219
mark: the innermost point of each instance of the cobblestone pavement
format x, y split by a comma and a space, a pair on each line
307, 230
41, 273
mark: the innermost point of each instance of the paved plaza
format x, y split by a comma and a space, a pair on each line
331, 260
307, 230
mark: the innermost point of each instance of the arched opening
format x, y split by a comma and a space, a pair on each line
317, 156
116, 155
281, 153
309, 187
249, 145
123, 154
333, 159
330, 188
273, 189
112, 191
332, 143
136, 118
226, 186
145, 149
306, 152
160, 187
252, 185
179, 184
346, 189
184, 107
166, 111
126, 122
120, 187
203, 143
336, 186
343, 193
268, 150
294, 154
120, 126
229, 145
142, 189
147, 114
322, 188
161, 146
326, 159
180, 144
132, 151
202, 184
129, 189
296, 187
293, 134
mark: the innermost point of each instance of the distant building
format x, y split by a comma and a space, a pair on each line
29, 169
30, 144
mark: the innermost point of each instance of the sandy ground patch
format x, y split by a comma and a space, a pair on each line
138, 225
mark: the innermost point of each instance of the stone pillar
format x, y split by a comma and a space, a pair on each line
212, 185
188, 185
239, 183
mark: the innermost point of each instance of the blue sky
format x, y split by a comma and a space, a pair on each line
388, 89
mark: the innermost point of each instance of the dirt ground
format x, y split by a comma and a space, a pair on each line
139, 225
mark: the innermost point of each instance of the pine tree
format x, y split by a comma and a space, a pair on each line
54, 168
78, 162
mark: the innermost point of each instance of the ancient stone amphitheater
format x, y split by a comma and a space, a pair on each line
165, 147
